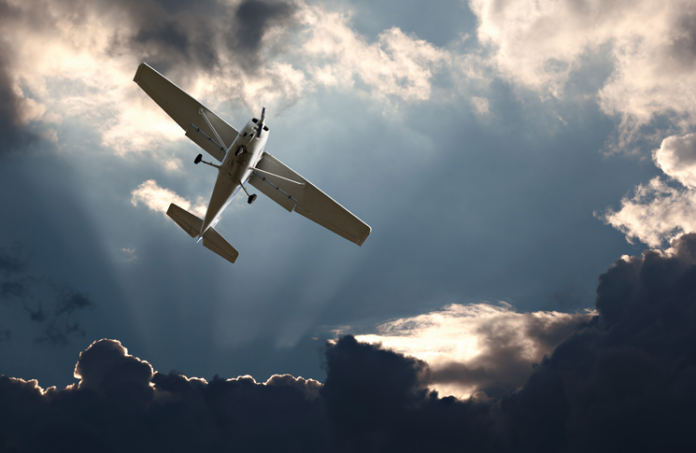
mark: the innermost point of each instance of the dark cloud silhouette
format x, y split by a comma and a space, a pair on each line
624, 381
377, 401
120, 404
18, 287
252, 20
175, 34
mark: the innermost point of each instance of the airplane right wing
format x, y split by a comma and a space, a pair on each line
185, 111
306, 199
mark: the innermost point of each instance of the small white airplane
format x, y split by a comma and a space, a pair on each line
242, 159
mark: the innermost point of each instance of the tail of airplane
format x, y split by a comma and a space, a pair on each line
212, 240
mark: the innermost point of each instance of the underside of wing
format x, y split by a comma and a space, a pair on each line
293, 192
185, 110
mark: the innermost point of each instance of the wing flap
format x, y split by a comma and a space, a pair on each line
273, 192
214, 241
310, 201
183, 108
198, 137
187, 221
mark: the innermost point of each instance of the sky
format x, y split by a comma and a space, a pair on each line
528, 170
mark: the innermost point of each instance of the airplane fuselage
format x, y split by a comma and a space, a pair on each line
235, 170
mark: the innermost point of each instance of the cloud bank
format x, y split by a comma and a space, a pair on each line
650, 45
477, 348
624, 380
69, 60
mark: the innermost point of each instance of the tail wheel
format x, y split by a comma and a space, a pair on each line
240, 150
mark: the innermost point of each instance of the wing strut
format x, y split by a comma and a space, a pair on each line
205, 117
301, 184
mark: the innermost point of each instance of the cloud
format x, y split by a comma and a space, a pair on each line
77, 60
659, 212
158, 199
625, 379
478, 347
121, 403
651, 46
395, 65
51, 306
252, 21
14, 109
677, 158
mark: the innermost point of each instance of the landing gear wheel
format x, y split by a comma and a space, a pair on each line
252, 198
240, 150
198, 159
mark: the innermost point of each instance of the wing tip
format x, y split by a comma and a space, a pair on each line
141, 67
364, 237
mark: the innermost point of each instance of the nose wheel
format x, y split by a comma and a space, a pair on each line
240, 150
252, 198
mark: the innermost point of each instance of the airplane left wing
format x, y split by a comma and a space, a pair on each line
185, 111
293, 192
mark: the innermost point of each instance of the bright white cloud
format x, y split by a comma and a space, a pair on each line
677, 158
655, 214
84, 68
470, 348
158, 199
396, 64
539, 44
658, 212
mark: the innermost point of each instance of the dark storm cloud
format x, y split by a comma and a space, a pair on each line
377, 401
251, 21
170, 34
19, 288
120, 404
625, 381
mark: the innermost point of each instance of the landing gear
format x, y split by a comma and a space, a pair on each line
240, 150
251, 198
198, 159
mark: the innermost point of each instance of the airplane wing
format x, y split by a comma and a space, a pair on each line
185, 111
306, 199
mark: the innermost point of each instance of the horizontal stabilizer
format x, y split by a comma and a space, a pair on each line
212, 240
189, 222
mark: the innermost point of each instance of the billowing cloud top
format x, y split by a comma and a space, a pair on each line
632, 365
